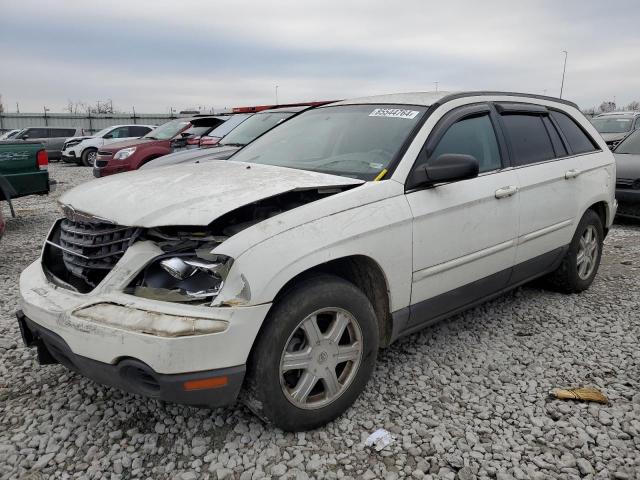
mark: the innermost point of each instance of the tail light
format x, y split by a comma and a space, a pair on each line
209, 141
42, 160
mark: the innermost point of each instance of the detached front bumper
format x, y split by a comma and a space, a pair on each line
211, 388
129, 342
69, 156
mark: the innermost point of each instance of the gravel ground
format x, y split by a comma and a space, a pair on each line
464, 399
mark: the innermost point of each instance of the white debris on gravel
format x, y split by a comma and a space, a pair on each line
464, 399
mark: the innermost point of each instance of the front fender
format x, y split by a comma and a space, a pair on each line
380, 230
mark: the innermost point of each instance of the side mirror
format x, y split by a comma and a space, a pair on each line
448, 167
108, 135
25, 136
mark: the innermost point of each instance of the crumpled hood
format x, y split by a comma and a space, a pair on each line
627, 166
193, 194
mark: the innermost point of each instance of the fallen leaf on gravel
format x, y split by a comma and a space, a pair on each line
584, 394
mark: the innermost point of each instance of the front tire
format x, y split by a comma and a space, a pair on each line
89, 157
314, 355
580, 264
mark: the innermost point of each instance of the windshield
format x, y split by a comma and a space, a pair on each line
253, 127
357, 141
167, 130
612, 124
630, 145
233, 121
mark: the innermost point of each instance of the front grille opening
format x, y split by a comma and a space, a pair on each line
81, 254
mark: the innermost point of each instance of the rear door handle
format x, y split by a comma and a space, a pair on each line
573, 173
507, 191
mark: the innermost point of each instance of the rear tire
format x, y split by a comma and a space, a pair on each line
580, 264
89, 157
314, 355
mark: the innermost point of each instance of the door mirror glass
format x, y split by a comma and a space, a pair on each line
448, 167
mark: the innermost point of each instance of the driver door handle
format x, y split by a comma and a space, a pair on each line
507, 191
573, 173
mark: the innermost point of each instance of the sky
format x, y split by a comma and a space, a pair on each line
181, 54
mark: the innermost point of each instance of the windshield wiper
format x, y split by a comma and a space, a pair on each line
151, 138
233, 144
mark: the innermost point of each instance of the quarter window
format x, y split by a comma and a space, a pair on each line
578, 140
530, 142
472, 136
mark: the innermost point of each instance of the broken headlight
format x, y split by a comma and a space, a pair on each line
183, 277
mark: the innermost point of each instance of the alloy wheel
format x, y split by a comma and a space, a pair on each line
587, 253
321, 358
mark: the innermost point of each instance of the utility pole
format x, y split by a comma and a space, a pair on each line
134, 114
17, 108
277, 94
436, 86
564, 69
45, 116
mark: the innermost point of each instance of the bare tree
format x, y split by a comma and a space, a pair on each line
607, 106
635, 105
76, 106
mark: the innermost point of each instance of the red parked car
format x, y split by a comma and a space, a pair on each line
131, 154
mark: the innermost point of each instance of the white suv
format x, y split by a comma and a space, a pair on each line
278, 274
83, 150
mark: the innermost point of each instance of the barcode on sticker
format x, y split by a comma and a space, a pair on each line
394, 113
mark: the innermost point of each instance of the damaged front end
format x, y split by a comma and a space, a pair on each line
81, 250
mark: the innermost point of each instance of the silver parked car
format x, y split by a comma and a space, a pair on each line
52, 138
615, 126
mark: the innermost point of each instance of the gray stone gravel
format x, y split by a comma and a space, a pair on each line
464, 399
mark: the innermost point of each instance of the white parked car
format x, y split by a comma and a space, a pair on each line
281, 271
83, 150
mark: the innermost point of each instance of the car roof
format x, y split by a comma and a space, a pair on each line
438, 98
297, 109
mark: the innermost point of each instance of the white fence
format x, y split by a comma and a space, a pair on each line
91, 123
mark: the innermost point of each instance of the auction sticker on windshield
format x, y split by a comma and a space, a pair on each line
394, 113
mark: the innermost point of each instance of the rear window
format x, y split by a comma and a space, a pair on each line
528, 138
578, 140
196, 131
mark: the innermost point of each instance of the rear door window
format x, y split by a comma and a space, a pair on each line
61, 132
138, 131
528, 137
576, 137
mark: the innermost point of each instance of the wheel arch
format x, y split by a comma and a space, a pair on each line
601, 208
366, 274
